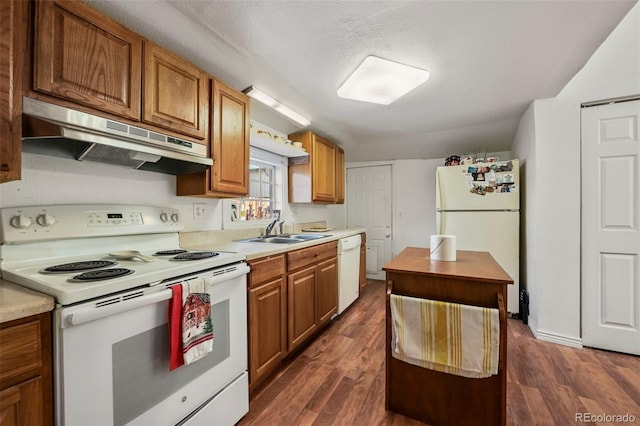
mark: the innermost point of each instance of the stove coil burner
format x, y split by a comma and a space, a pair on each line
78, 266
196, 255
102, 274
169, 252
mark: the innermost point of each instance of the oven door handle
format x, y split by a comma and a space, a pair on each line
93, 313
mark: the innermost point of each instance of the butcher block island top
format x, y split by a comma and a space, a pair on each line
477, 266
431, 396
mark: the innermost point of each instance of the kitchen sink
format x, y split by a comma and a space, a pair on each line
308, 236
274, 240
284, 239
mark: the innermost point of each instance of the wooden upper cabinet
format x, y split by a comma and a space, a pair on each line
339, 175
12, 46
314, 182
230, 140
323, 169
84, 57
175, 92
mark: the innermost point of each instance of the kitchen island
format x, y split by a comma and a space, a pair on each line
437, 398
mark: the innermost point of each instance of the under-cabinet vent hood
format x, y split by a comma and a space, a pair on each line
50, 129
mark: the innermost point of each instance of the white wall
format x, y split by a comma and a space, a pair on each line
613, 71
52, 180
414, 197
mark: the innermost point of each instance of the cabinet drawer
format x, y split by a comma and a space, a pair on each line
307, 256
20, 350
265, 268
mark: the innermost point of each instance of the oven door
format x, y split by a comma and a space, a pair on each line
112, 358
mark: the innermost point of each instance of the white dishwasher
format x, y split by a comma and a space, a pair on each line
348, 271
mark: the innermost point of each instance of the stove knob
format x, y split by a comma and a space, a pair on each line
164, 217
20, 221
46, 219
174, 217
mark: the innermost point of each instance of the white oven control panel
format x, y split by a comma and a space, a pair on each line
35, 223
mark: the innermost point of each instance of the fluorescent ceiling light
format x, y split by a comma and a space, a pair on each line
381, 81
260, 96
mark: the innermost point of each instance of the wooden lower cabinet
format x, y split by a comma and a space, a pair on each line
26, 390
22, 404
291, 296
302, 317
327, 288
267, 312
267, 328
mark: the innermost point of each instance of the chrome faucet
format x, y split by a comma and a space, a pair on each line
272, 224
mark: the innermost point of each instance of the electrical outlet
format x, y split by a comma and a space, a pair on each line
199, 211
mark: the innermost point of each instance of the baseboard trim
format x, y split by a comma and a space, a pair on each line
559, 339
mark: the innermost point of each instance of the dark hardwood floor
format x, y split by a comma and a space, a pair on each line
339, 378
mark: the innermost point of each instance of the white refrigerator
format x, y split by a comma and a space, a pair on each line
480, 204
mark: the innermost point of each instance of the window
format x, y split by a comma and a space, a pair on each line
266, 175
261, 201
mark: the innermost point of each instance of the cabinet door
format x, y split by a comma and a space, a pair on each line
339, 175
84, 57
363, 266
267, 328
327, 285
175, 92
12, 30
301, 306
22, 404
230, 141
323, 171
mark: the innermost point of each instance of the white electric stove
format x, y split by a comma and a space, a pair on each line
36, 240
111, 313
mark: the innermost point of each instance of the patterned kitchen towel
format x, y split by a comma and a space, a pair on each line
190, 325
447, 337
197, 327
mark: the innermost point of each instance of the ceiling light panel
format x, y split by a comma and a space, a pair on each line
262, 97
381, 81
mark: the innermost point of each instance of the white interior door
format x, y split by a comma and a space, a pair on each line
369, 206
610, 221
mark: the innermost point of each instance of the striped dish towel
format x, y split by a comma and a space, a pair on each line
447, 337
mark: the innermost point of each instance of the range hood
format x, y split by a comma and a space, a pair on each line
50, 129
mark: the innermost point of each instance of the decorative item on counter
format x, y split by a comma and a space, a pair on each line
443, 247
467, 160
452, 160
492, 159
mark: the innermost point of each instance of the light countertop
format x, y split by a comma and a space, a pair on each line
18, 302
256, 250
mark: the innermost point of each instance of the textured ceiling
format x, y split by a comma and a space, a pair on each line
488, 61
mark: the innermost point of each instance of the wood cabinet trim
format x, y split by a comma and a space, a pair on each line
102, 84
307, 256
266, 268
229, 147
192, 119
13, 28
